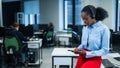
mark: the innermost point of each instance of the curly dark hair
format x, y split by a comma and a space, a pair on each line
101, 13
96, 13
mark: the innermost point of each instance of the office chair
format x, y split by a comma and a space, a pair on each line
49, 38
76, 40
11, 48
111, 46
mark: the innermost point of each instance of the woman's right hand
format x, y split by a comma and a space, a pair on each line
76, 51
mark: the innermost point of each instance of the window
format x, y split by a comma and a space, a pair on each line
118, 16
72, 12
77, 12
68, 12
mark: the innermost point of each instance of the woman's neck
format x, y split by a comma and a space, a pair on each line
93, 22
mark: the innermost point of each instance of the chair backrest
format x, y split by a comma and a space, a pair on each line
10, 40
49, 34
49, 37
76, 38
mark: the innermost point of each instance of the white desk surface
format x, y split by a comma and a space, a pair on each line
64, 35
1, 41
34, 41
63, 52
38, 32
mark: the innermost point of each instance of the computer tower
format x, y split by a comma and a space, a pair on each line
32, 55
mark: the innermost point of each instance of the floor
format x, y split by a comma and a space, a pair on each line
47, 59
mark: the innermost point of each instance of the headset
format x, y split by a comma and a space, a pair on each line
92, 12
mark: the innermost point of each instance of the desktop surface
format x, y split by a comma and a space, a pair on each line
63, 52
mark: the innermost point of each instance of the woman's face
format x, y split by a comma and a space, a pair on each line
86, 18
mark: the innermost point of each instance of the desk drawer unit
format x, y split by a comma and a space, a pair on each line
58, 61
33, 45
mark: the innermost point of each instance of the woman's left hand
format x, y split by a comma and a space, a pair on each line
82, 51
78, 51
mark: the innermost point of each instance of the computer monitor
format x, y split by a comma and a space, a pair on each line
2, 29
35, 27
80, 27
29, 31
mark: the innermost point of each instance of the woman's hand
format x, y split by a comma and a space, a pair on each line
78, 51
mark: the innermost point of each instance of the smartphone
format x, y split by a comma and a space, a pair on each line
71, 50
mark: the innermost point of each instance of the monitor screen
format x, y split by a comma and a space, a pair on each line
2, 29
35, 27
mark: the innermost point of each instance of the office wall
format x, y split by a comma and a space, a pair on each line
49, 12
109, 5
90, 2
31, 7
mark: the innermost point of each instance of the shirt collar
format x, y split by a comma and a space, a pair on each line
95, 24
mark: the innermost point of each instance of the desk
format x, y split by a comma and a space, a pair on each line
1, 41
61, 56
111, 57
64, 37
35, 51
38, 34
1, 47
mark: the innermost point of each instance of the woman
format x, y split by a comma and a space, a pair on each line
95, 38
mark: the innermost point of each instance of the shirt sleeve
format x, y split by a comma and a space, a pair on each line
105, 39
84, 38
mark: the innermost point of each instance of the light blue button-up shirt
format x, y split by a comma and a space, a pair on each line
98, 37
